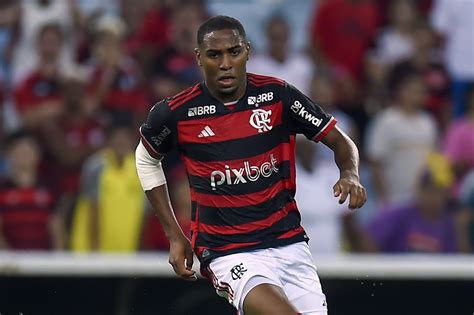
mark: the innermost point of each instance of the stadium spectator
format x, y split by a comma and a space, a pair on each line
375, 90
175, 66
38, 97
151, 36
396, 41
342, 26
89, 12
278, 60
466, 219
69, 139
453, 20
2, 100
424, 225
399, 139
29, 219
458, 144
8, 19
109, 213
425, 60
34, 15
116, 85
423, 6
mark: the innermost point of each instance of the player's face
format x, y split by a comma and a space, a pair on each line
223, 57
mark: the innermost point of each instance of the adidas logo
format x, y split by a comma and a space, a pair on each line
206, 132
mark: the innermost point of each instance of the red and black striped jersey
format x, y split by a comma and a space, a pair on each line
240, 162
25, 214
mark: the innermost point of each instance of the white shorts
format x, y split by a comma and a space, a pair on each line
289, 267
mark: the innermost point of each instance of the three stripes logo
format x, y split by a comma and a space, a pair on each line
206, 132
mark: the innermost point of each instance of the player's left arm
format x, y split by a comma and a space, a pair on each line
308, 118
346, 156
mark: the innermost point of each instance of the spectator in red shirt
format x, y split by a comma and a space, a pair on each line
341, 33
69, 139
175, 67
28, 220
151, 35
116, 85
38, 97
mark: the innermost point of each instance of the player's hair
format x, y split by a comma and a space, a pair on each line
217, 23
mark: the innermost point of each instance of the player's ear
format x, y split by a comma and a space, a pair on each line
197, 55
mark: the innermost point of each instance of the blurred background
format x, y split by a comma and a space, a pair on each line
78, 77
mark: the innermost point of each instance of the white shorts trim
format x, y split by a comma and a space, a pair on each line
289, 267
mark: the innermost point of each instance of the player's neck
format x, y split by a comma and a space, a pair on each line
231, 97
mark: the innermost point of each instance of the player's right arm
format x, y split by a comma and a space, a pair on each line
157, 138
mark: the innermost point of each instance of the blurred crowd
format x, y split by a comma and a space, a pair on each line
78, 77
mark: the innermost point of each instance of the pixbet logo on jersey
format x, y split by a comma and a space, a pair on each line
299, 109
245, 174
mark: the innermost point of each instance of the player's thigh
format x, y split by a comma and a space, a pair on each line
267, 299
301, 282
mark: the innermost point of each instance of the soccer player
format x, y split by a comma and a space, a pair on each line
236, 135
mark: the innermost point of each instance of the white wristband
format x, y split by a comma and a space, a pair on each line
149, 169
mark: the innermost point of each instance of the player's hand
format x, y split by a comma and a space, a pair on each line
181, 258
350, 186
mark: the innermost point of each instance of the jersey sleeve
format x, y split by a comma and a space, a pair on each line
305, 116
158, 133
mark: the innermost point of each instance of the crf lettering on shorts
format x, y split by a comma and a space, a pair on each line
201, 110
238, 271
245, 174
299, 109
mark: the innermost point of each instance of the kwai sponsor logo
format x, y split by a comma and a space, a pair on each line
245, 174
299, 109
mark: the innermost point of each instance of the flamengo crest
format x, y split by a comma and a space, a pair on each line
260, 120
